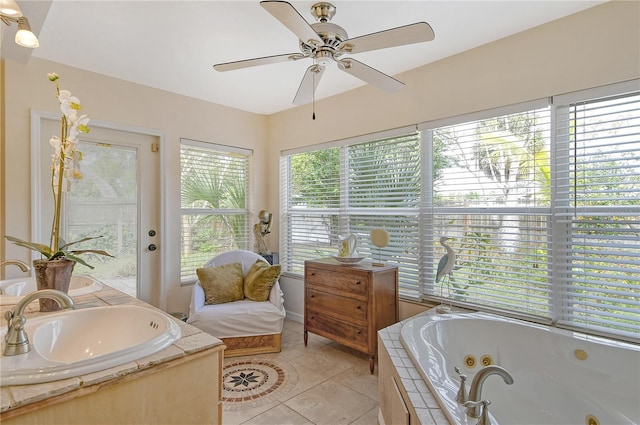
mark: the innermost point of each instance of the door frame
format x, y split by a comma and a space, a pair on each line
36, 173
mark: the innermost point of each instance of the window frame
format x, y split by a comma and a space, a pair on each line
231, 152
559, 231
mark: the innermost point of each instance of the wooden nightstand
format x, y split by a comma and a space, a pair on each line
349, 303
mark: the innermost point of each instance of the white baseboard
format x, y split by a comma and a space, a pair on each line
295, 317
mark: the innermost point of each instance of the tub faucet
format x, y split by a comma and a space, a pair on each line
16, 340
475, 392
23, 266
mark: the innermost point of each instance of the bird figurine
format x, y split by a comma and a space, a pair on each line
445, 266
448, 260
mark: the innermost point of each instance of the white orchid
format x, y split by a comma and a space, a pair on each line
65, 167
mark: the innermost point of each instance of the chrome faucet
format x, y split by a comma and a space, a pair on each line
475, 392
16, 340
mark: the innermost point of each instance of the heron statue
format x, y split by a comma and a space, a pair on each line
445, 266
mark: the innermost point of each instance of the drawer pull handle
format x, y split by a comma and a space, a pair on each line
357, 282
313, 296
359, 307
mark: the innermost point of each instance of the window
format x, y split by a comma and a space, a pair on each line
352, 189
540, 202
491, 197
213, 199
599, 206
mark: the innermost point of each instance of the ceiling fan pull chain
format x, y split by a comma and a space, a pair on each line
313, 96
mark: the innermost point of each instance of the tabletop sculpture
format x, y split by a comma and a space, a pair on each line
260, 230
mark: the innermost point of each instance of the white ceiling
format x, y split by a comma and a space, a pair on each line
172, 45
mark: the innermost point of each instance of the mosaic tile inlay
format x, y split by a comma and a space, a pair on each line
255, 381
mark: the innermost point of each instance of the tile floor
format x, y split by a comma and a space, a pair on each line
334, 386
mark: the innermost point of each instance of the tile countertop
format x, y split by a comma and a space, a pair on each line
192, 340
427, 408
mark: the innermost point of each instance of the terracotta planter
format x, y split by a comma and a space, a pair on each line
54, 274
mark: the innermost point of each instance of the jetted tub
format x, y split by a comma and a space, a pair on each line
560, 377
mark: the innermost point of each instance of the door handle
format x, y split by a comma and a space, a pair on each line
152, 247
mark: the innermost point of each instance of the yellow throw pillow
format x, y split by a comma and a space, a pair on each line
259, 280
221, 284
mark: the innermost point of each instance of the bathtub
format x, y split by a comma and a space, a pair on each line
560, 377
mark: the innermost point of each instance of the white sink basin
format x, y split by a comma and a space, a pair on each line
14, 289
77, 342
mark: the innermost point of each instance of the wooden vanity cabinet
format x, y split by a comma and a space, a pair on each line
349, 303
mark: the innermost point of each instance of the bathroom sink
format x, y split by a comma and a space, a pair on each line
14, 289
77, 342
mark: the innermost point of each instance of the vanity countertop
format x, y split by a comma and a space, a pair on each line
192, 341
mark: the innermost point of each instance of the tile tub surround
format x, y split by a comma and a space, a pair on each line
20, 397
427, 409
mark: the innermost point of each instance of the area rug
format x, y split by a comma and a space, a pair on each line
248, 383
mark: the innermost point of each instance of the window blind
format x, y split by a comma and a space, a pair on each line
353, 189
213, 203
491, 197
599, 203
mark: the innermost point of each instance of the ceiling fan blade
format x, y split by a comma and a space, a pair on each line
290, 18
370, 75
400, 36
247, 63
308, 85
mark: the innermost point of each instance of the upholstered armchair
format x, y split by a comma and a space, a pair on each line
245, 326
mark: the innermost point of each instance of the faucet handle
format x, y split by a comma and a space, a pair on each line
461, 397
484, 411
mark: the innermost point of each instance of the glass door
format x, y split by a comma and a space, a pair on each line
115, 200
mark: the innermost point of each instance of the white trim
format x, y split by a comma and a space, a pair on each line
487, 113
596, 93
36, 226
216, 146
365, 138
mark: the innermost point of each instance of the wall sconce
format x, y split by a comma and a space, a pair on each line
11, 12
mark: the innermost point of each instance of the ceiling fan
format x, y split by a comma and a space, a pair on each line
325, 42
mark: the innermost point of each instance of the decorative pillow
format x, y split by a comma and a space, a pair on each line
221, 284
259, 280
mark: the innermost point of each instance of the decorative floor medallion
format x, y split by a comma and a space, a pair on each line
250, 383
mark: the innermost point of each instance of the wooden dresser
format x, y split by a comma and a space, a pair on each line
349, 303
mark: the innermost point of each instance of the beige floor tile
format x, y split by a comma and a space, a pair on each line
290, 325
330, 403
369, 418
320, 361
359, 378
306, 379
237, 417
279, 415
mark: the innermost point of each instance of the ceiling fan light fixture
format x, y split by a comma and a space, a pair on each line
10, 8
24, 36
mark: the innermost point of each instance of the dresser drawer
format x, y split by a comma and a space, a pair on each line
334, 304
348, 282
348, 334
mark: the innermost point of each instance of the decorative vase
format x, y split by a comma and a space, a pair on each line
54, 274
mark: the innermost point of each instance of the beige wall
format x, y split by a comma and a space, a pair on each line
112, 100
595, 47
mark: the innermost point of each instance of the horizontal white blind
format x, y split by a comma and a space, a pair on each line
353, 189
491, 197
213, 201
600, 202
310, 201
383, 191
